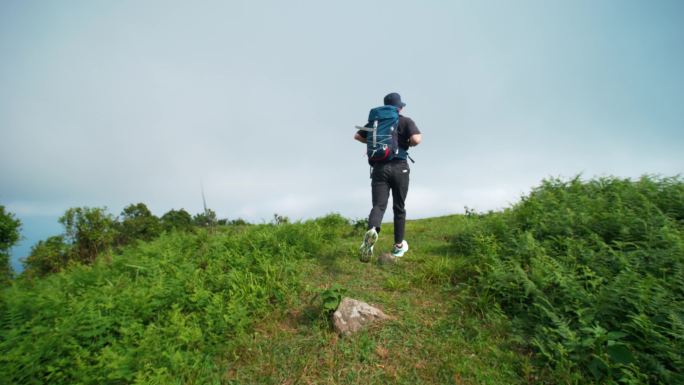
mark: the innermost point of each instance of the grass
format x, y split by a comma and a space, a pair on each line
241, 305
579, 283
438, 337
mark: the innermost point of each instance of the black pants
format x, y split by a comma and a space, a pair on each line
394, 176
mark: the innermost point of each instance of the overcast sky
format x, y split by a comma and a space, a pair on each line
106, 103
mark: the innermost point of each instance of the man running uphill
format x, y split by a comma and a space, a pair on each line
388, 136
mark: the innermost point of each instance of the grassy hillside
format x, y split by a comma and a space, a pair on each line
581, 282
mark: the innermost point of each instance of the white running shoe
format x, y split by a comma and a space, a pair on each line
367, 245
399, 251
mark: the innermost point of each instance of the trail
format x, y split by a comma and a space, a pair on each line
434, 339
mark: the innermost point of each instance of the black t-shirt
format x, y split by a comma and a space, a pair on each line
407, 128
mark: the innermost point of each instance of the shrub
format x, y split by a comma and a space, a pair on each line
89, 231
164, 311
48, 256
237, 222
360, 225
331, 298
138, 223
205, 219
9, 235
333, 226
591, 273
176, 219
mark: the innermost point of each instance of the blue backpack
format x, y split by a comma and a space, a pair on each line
382, 142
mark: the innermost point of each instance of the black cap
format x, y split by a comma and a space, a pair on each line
394, 99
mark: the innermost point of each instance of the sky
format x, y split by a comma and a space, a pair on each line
107, 103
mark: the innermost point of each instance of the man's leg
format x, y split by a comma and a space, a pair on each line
399, 183
380, 194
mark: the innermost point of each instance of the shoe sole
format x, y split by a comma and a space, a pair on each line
367, 246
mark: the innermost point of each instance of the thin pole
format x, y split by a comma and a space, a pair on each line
204, 201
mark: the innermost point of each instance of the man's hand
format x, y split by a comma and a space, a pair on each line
359, 138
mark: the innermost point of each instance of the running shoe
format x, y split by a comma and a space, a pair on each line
399, 250
367, 245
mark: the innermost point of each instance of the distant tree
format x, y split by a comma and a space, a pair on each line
48, 256
9, 235
238, 222
137, 222
176, 219
89, 230
205, 219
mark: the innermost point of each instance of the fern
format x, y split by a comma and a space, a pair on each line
579, 263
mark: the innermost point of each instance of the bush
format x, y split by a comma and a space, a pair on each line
360, 225
89, 231
165, 311
138, 223
237, 222
48, 256
205, 219
9, 235
176, 219
592, 274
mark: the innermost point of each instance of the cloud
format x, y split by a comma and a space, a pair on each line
105, 107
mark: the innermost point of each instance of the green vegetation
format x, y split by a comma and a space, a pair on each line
176, 219
592, 274
137, 222
205, 219
9, 235
166, 311
89, 232
47, 257
331, 297
580, 282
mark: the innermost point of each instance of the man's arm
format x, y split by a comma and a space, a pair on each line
414, 134
360, 138
415, 139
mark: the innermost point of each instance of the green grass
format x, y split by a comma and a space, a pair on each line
242, 305
580, 282
591, 276
439, 337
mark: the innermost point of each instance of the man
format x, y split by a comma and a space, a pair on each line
391, 175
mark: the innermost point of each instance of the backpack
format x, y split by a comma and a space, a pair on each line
382, 142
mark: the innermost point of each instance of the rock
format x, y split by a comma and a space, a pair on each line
386, 258
352, 315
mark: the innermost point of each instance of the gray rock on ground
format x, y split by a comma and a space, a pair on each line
386, 258
352, 315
